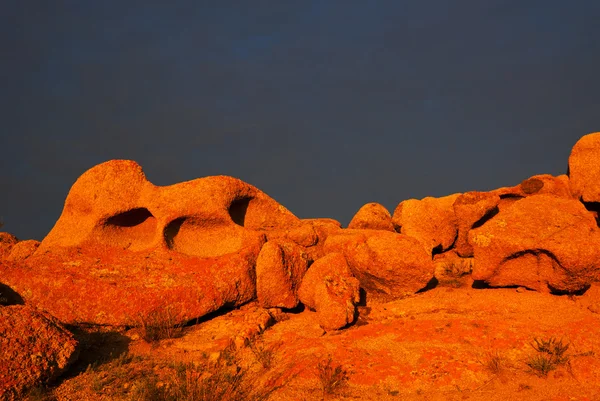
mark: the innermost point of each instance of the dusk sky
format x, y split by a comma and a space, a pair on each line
323, 105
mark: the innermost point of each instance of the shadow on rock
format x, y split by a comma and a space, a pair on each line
8, 296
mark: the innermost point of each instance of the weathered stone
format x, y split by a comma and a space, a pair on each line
373, 216
584, 168
330, 288
22, 250
7, 241
388, 265
429, 220
472, 209
34, 349
280, 267
541, 242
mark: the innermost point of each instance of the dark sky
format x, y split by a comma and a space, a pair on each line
324, 105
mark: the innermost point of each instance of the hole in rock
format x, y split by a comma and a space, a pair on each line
437, 250
594, 207
133, 229
430, 285
8, 296
296, 309
480, 285
238, 209
579, 292
202, 236
486, 217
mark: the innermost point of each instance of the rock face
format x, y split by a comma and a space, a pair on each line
22, 250
280, 267
388, 265
541, 242
104, 285
472, 209
331, 290
584, 168
373, 216
543, 184
429, 220
7, 241
132, 245
34, 348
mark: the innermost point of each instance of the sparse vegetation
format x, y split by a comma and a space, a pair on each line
494, 363
452, 272
161, 323
225, 380
331, 377
551, 354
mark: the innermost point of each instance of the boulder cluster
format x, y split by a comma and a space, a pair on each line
123, 247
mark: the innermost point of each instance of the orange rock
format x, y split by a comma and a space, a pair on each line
7, 241
388, 265
34, 348
279, 270
372, 216
330, 288
584, 168
541, 242
114, 204
22, 250
472, 209
430, 220
543, 184
108, 286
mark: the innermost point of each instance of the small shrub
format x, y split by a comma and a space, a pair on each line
551, 354
494, 363
332, 378
541, 364
161, 323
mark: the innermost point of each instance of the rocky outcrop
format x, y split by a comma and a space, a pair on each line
34, 349
280, 267
541, 242
104, 285
472, 209
584, 168
22, 250
429, 220
388, 265
114, 204
372, 216
330, 288
543, 184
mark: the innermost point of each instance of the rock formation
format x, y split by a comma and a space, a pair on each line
34, 349
584, 168
373, 216
388, 265
330, 288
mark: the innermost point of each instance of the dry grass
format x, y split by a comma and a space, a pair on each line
551, 354
224, 380
331, 377
494, 363
161, 323
263, 354
452, 273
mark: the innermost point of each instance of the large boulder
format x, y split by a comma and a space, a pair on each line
123, 246
543, 184
330, 288
280, 267
388, 265
429, 220
472, 209
114, 204
104, 285
7, 242
541, 242
34, 349
584, 168
373, 216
